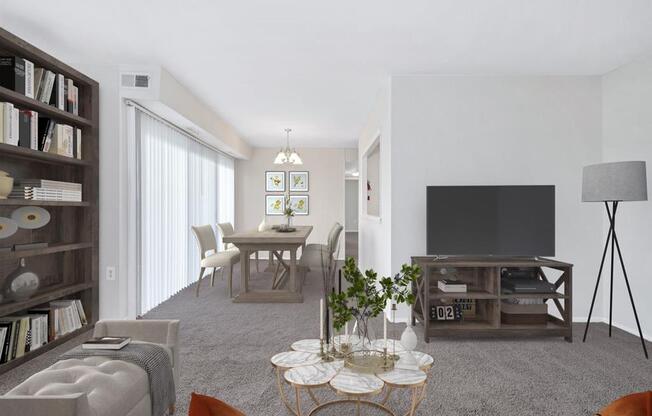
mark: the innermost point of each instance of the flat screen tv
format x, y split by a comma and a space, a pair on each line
491, 220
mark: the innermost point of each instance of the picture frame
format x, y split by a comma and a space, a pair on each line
274, 205
299, 181
274, 181
300, 204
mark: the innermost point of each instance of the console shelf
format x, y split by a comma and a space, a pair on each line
482, 276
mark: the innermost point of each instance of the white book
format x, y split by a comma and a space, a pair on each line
33, 137
38, 82
3, 336
2, 126
50, 184
7, 109
29, 79
46, 91
79, 143
82, 313
14, 135
61, 94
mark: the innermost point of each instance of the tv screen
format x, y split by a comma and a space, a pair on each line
491, 220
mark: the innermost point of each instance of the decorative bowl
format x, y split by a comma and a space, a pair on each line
368, 361
6, 184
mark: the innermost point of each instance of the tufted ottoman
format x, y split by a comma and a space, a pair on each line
95, 386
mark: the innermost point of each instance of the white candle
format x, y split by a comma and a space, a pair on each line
321, 318
385, 328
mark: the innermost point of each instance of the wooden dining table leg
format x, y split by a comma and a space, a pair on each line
293, 270
244, 270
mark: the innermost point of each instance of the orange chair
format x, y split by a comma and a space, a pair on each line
208, 406
637, 404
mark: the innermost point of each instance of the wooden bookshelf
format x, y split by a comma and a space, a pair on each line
482, 276
69, 266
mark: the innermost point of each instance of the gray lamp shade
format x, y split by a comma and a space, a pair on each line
616, 181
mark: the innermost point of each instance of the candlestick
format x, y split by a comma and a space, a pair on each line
339, 281
321, 319
385, 328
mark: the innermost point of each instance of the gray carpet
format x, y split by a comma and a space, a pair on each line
226, 349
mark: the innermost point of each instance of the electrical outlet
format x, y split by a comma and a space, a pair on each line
110, 273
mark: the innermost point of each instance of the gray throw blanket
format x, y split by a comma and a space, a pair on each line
152, 358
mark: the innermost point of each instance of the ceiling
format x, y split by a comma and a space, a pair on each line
316, 66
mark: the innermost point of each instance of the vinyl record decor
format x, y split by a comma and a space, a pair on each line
31, 218
8, 227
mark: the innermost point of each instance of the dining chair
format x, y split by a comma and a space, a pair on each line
211, 258
226, 229
322, 255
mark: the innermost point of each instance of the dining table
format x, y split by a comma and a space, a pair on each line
276, 242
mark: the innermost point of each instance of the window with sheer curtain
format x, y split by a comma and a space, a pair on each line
182, 182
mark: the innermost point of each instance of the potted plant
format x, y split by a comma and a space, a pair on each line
367, 295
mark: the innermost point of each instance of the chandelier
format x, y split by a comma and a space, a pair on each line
287, 156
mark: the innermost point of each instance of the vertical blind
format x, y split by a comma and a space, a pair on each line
182, 183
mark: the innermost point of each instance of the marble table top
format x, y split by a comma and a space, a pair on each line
313, 375
291, 359
305, 368
350, 382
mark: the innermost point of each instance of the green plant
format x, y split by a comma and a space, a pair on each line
366, 296
289, 211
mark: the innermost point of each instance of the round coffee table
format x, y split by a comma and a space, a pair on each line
303, 370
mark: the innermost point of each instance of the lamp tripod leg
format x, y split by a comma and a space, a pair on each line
631, 298
597, 283
611, 284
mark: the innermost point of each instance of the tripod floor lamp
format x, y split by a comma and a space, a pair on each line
612, 183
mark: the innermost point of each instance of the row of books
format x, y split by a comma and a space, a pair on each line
46, 190
22, 76
21, 334
26, 128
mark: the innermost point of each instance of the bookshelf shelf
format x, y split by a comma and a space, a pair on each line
470, 294
51, 249
49, 295
75, 272
43, 109
9, 150
45, 348
25, 202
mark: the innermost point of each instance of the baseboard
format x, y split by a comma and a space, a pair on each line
632, 331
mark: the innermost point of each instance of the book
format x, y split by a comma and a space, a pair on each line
61, 141
106, 343
78, 142
29, 78
12, 73
58, 96
3, 336
49, 313
5, 350
33, 130
39, 74
451, 286
25, 128
14, 136
48, 183
45, 194
45, 132
70, 93
75, 100
2, 122
47, 87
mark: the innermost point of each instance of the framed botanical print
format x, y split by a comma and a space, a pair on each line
300, 204
274, 204
274, 181
298, 181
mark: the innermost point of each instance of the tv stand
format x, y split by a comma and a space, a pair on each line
482, 276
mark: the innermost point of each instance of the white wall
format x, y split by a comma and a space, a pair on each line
375, 234
465, 130
627, 135
351, 204
326, 191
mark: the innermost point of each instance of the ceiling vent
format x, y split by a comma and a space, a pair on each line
135, 80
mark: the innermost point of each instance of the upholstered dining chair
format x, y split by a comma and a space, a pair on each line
319, 255
211, 258
226, 229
